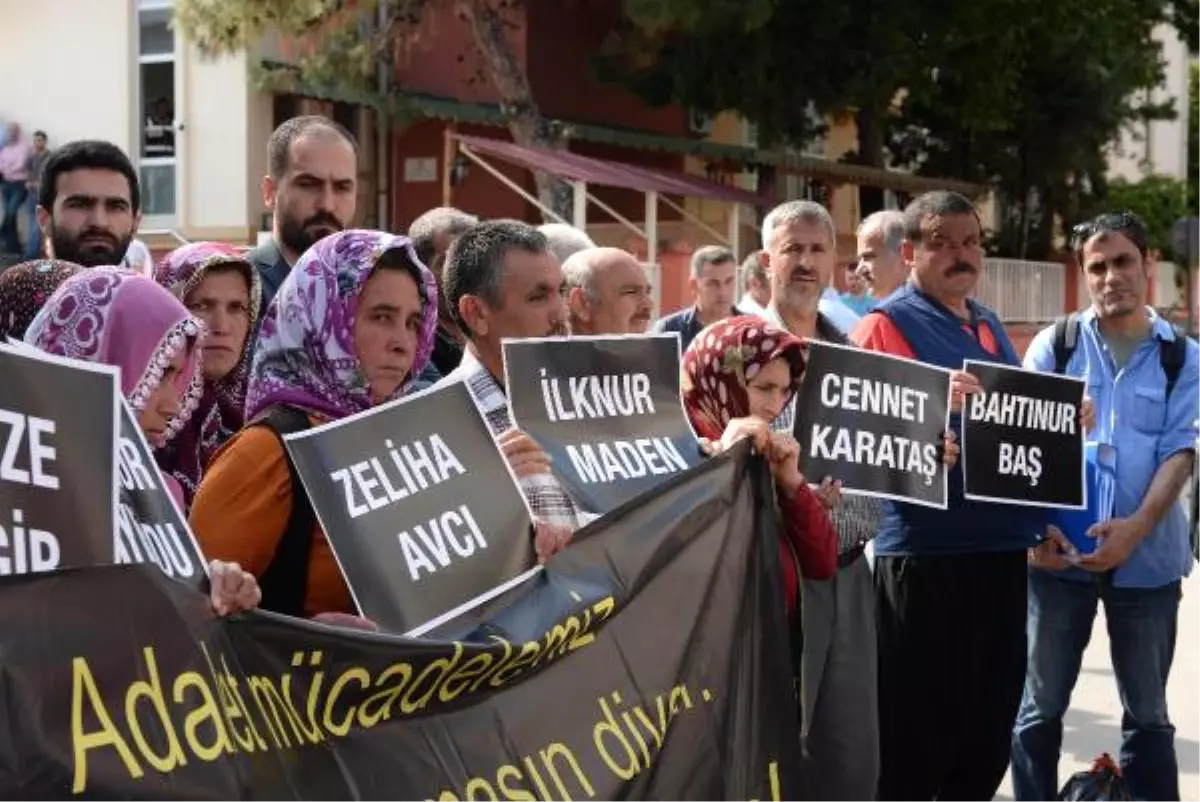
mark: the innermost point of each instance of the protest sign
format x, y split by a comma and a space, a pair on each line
58, 422
648, 661
875, 422
420, 507
605, 409
150, 527
1022, 440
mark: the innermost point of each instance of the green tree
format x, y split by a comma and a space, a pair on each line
1159, 200
350, 48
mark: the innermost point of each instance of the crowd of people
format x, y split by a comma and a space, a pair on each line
921, 671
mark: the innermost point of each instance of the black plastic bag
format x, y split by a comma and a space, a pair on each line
1103, 783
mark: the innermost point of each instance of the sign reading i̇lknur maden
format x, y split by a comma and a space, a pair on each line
420, 507
875, 422
605, 409
1022, 438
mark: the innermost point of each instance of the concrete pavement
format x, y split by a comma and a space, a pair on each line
1093, 724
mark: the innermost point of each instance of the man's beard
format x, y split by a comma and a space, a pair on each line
70, 248
300, 236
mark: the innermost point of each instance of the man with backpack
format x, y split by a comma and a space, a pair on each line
1142, 376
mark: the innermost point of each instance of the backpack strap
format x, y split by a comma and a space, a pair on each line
1171, 355
285, 581
1066, 337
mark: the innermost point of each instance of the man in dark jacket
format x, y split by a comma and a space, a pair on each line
713, 282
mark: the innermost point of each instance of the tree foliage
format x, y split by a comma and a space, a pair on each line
344, 46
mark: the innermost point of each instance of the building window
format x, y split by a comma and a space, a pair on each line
157, 113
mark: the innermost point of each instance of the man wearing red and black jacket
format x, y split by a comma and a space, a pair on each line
950, 584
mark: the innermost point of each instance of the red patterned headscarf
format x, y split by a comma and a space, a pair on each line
721, 361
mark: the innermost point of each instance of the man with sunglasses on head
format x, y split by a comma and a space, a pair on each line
1142, 375
950, 584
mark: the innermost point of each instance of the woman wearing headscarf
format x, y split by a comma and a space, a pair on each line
738, 375
222, 289
24, 290
116, 317
350, 327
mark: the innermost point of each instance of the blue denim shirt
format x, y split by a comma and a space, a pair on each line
1145, 429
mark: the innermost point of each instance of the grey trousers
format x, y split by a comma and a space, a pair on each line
838, 679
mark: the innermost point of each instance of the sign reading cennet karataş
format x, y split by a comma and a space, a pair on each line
605, 409
875, 422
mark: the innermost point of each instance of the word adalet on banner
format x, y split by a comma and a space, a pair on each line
605, 409
1022, 439
159, 695
420, 507
875, 422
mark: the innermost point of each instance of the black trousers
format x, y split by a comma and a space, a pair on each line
951, 633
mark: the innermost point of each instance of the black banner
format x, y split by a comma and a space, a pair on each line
875, 422
58, 422
605, 409
1022, 440
648, 661
150, 527
420, 507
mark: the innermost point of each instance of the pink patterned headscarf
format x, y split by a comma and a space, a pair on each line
117, 317
219, 413
305, 355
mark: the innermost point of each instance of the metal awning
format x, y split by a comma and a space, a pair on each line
577, 167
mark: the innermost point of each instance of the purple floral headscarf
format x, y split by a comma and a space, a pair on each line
117, 317
218, 414
304, 356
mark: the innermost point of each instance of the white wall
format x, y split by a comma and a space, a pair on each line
1160, 146
214, 167
67, 67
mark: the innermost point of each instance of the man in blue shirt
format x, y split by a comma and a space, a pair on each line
1148, 430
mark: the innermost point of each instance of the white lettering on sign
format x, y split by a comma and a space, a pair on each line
24, 429
374, 483
1023, 412
26, 550
626, 459
878, 450
856, 394
428, 548
1019, 460
590, 397
138, 541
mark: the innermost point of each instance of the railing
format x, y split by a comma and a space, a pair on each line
1019, 291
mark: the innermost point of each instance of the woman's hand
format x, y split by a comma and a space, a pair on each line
549, 540
755, 429
950, 449
830, 492
232, 590
783, 457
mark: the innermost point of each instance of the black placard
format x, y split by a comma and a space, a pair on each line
420, 507
58, 424
150, 527
605, 409
875, 422
1022, 439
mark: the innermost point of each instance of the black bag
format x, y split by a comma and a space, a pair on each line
1102, 782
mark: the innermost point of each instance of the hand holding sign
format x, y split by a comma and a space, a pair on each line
1118, 538
549, 540
1054, 553
950, 449
962, 384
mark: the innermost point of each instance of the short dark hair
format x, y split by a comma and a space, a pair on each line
425, 229
710, 255
939, 203
475, 262
86, 154
279, 147
1127, 224
40, 133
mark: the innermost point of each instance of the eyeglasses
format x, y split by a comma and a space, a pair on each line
1124, 222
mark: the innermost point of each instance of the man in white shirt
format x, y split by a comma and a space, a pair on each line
756, 284
138, 259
